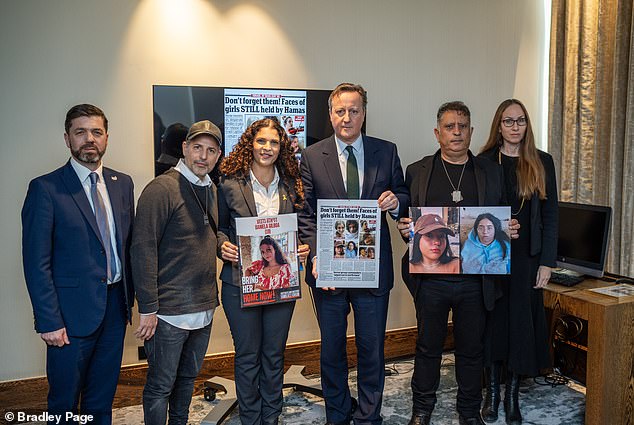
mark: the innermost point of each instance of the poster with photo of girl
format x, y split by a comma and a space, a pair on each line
268, 259
460, 240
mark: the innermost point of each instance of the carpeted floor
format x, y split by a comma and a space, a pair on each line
540, 404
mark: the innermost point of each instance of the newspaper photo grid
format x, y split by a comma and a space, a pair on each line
348, 241
269, 270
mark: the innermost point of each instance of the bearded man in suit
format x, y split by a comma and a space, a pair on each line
76, 224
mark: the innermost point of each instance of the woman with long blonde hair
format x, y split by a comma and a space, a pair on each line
517, 334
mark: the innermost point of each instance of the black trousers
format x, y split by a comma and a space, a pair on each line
433, 301
259, 336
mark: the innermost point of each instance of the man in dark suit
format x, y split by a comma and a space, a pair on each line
76, 223
349, 165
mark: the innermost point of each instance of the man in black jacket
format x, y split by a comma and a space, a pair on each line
450, 177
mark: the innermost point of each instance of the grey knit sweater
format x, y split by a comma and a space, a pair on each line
173, 252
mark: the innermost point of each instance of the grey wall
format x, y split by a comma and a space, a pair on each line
410, 55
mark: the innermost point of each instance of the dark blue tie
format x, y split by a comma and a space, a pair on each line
102, 223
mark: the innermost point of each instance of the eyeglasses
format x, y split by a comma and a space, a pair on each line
509, 122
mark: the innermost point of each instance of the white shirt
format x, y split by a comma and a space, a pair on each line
357, 147
200, 319
84, 177
267, 201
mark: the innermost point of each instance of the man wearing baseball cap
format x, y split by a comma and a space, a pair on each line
173, 257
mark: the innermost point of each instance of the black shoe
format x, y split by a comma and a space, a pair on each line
492, 393
512, 399
420, 418
476, 420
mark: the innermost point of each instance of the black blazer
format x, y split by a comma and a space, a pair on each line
235, 199
544, 213
489, 184
322, 179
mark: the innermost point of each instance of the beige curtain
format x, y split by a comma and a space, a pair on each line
591, 120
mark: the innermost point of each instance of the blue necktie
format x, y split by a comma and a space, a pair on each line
102, 223
352, 174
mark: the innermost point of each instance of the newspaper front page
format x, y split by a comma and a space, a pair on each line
348, 241
245, 106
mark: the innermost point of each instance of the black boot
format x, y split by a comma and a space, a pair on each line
475, 420
420, 417
511, 399
492, 393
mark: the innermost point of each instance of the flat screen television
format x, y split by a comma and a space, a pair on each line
302, 112
584, 234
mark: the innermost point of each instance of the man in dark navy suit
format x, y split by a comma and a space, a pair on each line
76, 223
349, 165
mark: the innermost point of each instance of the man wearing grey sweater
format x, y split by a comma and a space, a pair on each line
173, 257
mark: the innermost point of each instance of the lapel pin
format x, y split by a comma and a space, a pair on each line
114, 178
283, 197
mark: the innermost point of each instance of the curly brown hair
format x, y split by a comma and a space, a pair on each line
238, 163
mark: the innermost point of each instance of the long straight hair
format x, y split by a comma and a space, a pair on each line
531, 177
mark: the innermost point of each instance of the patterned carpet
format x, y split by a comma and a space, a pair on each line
540, 404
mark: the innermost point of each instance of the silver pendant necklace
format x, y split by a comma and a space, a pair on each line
456, 195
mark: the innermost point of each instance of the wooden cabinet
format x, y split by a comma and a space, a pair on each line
610, 357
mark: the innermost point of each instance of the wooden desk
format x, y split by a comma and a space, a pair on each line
610, 364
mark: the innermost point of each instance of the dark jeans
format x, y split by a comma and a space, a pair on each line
370, 316
174, 359
259, 336
433, 300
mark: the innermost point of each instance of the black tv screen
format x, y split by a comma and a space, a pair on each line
304, 113
583, 237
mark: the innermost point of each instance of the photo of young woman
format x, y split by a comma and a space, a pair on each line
487, 249
340, 229
431, 251
351, 250
273, 270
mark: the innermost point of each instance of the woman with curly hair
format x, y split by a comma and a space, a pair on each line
260, 177
517, 334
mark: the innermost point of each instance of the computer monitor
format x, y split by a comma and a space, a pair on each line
584, 232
